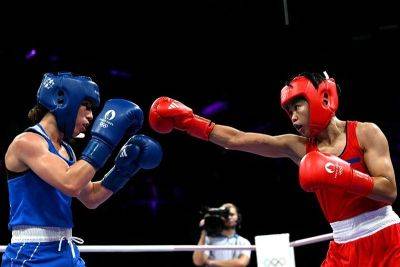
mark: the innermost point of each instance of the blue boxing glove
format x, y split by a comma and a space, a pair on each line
140, 152
117, 117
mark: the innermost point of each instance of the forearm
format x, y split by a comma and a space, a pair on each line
199, 258
261, 144
226, 263
94, 194
224, 136
76, 177
384, 190
234, 139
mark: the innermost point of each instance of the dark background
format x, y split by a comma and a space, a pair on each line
238, 53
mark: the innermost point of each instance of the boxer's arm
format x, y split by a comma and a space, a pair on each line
31, 151
287, 145
94, 194
378, 161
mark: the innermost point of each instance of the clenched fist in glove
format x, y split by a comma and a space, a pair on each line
139, 152
118, 117
167, 114
318, 170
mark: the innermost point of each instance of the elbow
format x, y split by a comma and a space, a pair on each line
91, 205
89, 202
392, 197
242, 263
391, 191
198, 261
72, 190
388, 197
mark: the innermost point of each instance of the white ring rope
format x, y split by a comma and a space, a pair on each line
176, 248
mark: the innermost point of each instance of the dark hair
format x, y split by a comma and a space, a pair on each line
239, 214
314, 77
37, 113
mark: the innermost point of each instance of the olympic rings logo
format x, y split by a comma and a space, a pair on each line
274, 262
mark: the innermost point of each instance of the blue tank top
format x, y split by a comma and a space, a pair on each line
35, 202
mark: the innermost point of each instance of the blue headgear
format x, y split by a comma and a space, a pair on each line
62, 94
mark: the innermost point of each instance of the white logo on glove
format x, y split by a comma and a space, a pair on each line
332, 168
329, 167
123, 153
173, 105
110, 115
48, 83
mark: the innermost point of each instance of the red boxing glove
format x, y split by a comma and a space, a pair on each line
167, 114
319, 170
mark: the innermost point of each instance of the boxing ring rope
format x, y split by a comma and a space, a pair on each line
178, 248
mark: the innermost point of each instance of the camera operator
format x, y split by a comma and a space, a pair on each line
212, 234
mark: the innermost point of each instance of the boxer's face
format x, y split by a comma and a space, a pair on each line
299, 114
84, 117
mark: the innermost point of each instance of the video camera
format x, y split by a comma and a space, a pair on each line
214, 220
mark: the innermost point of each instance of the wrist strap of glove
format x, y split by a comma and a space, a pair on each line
115, 179
96, 153
362, 183
200, 127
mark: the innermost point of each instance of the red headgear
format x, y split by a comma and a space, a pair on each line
322, 101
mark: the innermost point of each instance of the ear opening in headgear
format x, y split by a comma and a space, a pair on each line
325, 99
62, 94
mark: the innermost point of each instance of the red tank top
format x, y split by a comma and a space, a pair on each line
339, 204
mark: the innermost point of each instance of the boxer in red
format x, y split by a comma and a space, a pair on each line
346, 164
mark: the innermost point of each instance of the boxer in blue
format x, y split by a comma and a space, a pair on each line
43, 173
